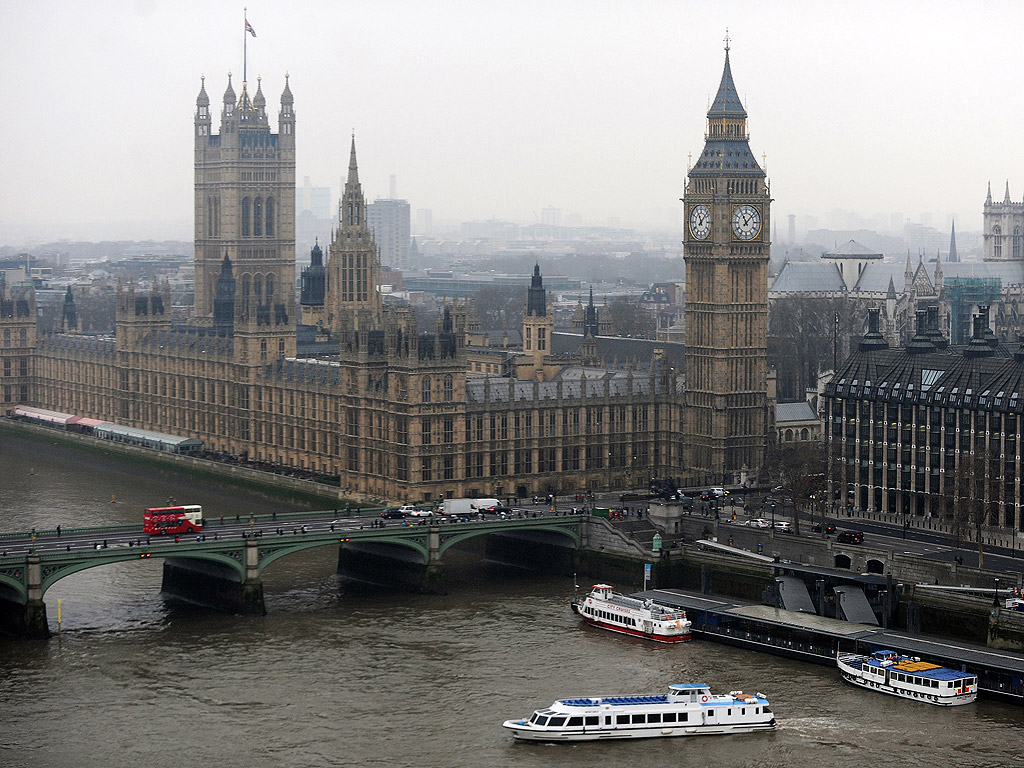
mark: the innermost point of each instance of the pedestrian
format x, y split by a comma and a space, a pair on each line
58, 530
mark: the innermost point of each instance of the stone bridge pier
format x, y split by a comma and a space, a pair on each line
395, 565
218, 585
26, 617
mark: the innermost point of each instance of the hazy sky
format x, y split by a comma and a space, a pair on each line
498, 109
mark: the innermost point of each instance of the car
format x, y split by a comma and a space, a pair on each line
783, 526
850, 537
828, 529
759, 522
413, 511
718, 493
392, 513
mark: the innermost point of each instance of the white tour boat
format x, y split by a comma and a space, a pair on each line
631, 616
909, 677
688, 709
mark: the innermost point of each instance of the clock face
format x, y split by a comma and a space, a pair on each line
746, 222
700, 222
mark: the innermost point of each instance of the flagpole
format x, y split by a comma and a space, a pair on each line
245, 44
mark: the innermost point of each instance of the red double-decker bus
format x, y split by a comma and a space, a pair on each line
161, 520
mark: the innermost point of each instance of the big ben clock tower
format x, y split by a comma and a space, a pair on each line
726, 210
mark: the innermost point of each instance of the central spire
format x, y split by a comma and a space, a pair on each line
353, 204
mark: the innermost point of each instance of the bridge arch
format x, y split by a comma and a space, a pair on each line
874, 565
276, 553
54, 573
559, 531
843, 561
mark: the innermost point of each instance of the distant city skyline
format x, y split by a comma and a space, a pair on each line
504, 111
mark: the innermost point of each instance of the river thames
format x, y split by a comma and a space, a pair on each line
339, 674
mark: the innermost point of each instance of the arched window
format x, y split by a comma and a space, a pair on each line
245, 217
257, 217
803, 433
789, 435
268, 207
448, 389
426, 391
997, 242
246, 281
257, 288
1016, 242
270, 288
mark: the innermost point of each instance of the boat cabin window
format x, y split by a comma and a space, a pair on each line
669, 717
654, 717
767, 710
577, 721
539, 720
557, 721
638, 719
591, 719
622, 719
711, 712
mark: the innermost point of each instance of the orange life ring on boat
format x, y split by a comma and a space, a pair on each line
703, 698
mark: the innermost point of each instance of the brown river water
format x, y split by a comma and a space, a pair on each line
340, 674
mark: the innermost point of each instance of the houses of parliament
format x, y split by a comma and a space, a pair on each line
388, 409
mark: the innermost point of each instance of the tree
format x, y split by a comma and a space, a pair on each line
802, 332
797, 471
500, 307
629, 317
967, 491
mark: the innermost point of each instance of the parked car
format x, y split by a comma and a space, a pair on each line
850, 537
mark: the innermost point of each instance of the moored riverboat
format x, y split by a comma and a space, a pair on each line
688, 709
908, 677
607, 609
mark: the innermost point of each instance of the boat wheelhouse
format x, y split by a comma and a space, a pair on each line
688, 709
908, 677
608, 609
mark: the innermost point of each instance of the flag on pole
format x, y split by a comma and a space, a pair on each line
249, 29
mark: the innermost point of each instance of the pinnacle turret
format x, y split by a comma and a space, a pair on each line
229, 94
202, 100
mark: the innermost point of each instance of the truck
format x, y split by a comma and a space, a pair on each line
468, 506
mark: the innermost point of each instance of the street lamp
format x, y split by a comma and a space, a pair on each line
995, 597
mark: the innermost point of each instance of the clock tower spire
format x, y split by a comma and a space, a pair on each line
726, 247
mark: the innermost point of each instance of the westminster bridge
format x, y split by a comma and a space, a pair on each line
223, 565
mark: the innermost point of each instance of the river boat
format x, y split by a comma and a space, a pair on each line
688, 709
908, 677
610, 610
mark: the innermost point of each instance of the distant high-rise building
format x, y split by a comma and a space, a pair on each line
424, 221
316, 200
551, 216
390, 222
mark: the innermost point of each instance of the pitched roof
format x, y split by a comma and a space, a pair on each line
789, 412
851, 249
808, 277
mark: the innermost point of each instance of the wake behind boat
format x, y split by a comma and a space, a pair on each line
908, 677
688, 709
610, 610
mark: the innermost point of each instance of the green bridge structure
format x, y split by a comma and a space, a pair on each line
223, 566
